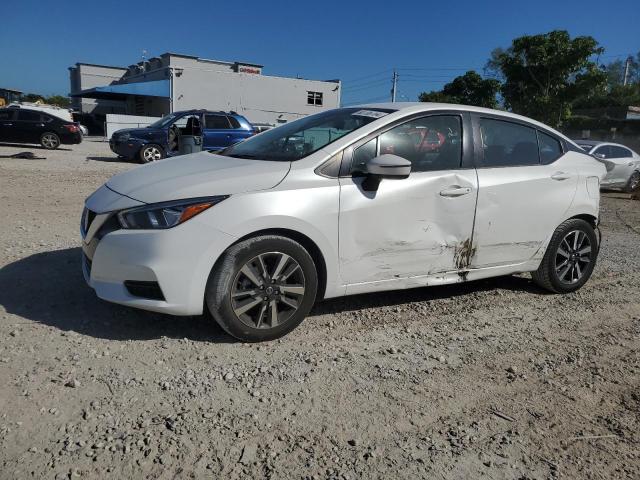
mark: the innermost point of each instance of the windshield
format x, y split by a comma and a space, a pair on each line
303, 137
164, 121
584, 146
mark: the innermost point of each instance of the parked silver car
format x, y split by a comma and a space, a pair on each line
623, 164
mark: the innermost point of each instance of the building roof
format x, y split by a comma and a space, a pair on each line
11, 90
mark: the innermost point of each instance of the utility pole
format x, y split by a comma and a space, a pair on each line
627, 67
394, 85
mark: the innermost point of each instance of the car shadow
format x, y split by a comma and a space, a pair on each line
29, 145
49, 288
109, 159
425, 294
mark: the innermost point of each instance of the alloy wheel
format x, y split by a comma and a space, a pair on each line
268, 290
634, 182
152, 153
49, 140
572, 256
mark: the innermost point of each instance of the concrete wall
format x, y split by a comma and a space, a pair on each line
260, 98
114, 122
85, 76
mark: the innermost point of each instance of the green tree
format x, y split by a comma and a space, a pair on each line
467, 89
544, 74
615, 71
58, 100
31, 97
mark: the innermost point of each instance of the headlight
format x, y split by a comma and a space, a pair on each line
123, 137
166, 214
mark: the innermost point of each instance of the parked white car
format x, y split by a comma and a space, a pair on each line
352, 200
622, 163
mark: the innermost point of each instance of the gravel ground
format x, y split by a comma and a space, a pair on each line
492, 379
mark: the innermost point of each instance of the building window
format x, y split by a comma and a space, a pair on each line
314, 98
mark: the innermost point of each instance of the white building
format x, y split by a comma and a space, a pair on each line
173, 82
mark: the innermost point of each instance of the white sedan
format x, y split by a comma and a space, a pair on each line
623, 164
346, 201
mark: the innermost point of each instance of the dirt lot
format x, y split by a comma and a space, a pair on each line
493, 379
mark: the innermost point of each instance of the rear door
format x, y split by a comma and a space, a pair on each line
7, 125
29, 126
217, 131
526, 183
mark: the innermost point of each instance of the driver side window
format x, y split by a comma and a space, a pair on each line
430, 143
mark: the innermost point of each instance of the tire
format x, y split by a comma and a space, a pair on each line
50, 140
151, 153
634, 182
554, 274
230, 291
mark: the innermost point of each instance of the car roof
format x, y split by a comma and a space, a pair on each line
417, 107
589, 142
203, 110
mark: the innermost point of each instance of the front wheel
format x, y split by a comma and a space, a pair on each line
633, 183
50, 140
151, 153
570, 257
262, 288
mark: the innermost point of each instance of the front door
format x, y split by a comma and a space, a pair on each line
410, 227
218, 133
7, 133
526, 184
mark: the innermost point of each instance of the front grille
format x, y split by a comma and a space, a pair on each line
150, 290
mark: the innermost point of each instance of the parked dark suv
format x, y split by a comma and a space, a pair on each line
160, 139
21, 125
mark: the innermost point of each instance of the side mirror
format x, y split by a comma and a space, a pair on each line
599, 155
389, 166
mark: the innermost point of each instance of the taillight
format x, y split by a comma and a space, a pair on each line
72, 128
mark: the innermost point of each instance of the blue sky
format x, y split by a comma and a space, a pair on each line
359, 42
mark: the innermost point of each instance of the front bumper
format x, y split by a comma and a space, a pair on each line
178, 260
127, 149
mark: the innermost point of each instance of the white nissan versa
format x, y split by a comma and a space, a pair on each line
352, 200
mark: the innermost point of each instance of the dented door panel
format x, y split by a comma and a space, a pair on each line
407, 227
518, 208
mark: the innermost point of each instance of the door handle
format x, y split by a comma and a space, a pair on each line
455, 191
7, 124
561, 176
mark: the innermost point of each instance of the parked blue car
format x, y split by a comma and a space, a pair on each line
160, 139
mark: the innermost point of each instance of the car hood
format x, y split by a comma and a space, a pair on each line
136, 132
197, 175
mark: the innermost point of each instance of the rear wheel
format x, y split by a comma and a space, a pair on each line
634, 182
570, 257
262, 288
50, 140
151, 153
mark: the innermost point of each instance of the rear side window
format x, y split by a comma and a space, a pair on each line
508, 144
28, 116
619, 152
603, 152
216, 122
550, 148
234, 122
